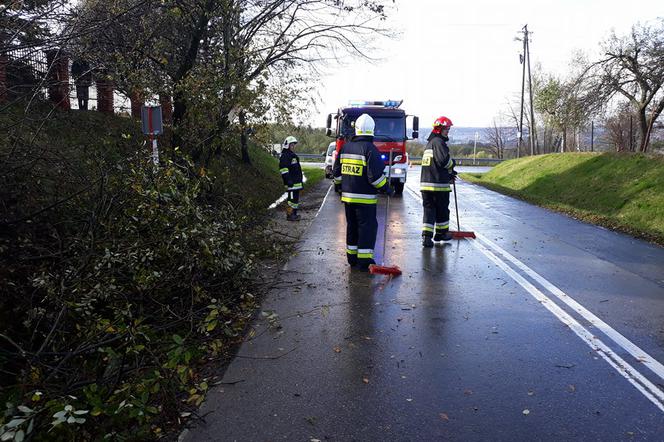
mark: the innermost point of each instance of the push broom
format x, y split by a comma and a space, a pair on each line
459, 234
383, 269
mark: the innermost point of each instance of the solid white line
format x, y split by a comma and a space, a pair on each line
324, 199
641, 383
638, 354
647, 388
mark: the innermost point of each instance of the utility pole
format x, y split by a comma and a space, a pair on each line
477, 135
533, 125
592, 136
522, 59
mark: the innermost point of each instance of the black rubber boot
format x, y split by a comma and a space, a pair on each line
364, 264
442, 236
426, 241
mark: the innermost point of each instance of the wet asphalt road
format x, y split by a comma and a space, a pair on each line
543, 328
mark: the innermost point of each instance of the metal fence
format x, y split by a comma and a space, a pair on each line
27, 74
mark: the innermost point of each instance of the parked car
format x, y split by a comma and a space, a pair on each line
330, 156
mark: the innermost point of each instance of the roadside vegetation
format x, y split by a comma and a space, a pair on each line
622, 191
119, 280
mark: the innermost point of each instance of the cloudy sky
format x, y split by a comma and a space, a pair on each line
459, 58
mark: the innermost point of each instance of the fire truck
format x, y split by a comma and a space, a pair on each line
389, 135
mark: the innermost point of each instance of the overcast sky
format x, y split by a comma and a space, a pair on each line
459, 58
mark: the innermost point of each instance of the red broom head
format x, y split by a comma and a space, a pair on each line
461, 235
384, 270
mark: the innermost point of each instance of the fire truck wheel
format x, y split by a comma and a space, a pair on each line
398, 188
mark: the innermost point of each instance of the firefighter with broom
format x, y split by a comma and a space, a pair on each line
291, 173
359, 170
437, 175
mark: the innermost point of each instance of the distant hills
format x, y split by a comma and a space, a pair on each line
458, 135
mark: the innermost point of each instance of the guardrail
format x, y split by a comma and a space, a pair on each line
469, 161
460, 161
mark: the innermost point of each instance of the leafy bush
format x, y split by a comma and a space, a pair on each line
117, 279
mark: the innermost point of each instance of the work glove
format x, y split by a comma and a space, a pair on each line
453, 174
389, 191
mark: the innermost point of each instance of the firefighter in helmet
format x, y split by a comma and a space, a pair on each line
437, 175
291, 173
359, 170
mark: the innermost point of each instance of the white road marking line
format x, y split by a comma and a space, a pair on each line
638, 354
647, 388
324, 199
641, 383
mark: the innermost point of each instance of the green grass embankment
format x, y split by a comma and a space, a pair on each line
314, 176
620, 191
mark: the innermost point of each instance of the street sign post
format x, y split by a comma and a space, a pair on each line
152, 126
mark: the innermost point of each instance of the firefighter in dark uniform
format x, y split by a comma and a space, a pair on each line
291, 173
359, 170
437, 175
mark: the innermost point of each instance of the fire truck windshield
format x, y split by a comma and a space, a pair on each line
390, 129
387, 128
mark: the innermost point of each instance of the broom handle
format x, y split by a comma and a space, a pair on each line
456, 205
387, 206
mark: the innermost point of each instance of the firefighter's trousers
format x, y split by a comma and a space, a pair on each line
361, 229
294, 199
436, 213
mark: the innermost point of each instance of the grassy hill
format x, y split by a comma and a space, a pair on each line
619, 191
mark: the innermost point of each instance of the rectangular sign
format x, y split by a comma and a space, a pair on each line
151, 120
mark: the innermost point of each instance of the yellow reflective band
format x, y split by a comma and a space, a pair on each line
284, 170
351, 252
346, 199
450, 164
435, 189
365, 255
442, 226
381, 183
353, 161
427, 229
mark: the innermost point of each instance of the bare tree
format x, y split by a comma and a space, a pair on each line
218, 55
617, 125
499, 137
633, 67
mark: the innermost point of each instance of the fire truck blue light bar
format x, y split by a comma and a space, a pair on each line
387, 103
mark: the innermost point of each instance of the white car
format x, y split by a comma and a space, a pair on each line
330, 156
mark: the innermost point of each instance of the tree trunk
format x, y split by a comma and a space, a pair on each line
244, 147
644, 128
